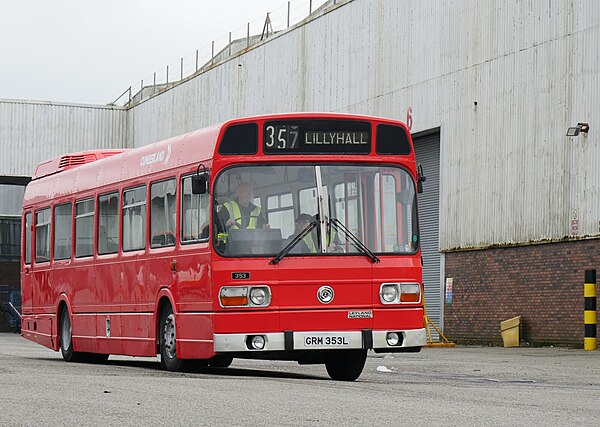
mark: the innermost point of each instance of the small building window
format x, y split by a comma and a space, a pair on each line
108, 223
84, 228
42, 235
194, 214
163, 213
63, 223
134, 219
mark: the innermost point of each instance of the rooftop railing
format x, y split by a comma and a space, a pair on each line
237, 41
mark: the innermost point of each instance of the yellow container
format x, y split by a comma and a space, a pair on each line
510, 331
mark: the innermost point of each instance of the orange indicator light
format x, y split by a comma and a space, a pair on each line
234, 301
410, 297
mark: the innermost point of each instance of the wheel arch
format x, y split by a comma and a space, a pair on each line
63, 303
164, 299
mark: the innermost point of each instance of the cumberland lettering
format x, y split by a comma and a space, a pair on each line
336, 138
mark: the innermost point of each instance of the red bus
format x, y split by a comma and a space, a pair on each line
290, 237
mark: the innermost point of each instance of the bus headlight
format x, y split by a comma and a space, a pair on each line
392, 339
389, 293
400, 293
260, 296
256, 342
245, 296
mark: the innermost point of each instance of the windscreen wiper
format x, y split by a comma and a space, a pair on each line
338, 226
294, 242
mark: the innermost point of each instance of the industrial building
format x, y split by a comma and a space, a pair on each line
510, 216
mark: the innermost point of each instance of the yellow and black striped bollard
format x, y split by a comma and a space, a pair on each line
589, 313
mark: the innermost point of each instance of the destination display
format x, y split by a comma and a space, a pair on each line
317, 136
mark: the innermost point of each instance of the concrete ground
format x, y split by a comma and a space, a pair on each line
439, 386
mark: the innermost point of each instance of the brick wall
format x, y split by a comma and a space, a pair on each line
9, 275
542, 283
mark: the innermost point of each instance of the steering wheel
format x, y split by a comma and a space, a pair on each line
238, 221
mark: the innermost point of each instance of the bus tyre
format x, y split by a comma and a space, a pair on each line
345, 365
220, 362
66, 339
167, 337
96, 358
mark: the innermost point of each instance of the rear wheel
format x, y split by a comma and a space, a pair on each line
66, 339
168, 342
345, 365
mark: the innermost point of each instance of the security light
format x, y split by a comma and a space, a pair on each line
581, 127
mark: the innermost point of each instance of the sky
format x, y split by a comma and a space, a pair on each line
91, 51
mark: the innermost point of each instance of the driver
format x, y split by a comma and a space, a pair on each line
241, 213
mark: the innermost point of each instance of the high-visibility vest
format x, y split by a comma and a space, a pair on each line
308, 239
235, 213
310, 243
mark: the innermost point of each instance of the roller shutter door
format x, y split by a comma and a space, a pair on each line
427, 151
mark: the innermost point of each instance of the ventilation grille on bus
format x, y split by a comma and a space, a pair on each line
71, 160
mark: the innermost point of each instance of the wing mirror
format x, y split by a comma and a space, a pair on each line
200, 180
420, 178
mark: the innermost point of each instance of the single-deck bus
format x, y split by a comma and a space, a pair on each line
289, 236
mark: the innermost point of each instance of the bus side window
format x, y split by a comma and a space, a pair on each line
162, 213
84, 228
27, 242
108, 223
42, 235
134, 219
194, 213
63, 223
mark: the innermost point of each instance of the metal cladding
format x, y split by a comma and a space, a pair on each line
32, 132
502, 80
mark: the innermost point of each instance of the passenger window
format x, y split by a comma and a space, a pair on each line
84, 228
134, 219
108, 223
27, 242
194, 214
162, 213
63, 222
42, 235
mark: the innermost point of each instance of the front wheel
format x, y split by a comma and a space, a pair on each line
220, 362
345, 365
168, 342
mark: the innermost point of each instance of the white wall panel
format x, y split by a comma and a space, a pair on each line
508, 172
503, 79
31, 132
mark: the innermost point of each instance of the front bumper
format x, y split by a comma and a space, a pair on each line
321, 340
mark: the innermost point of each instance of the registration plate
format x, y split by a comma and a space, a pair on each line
326, 341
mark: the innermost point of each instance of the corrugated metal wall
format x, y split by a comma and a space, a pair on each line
503, 80
31, 132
